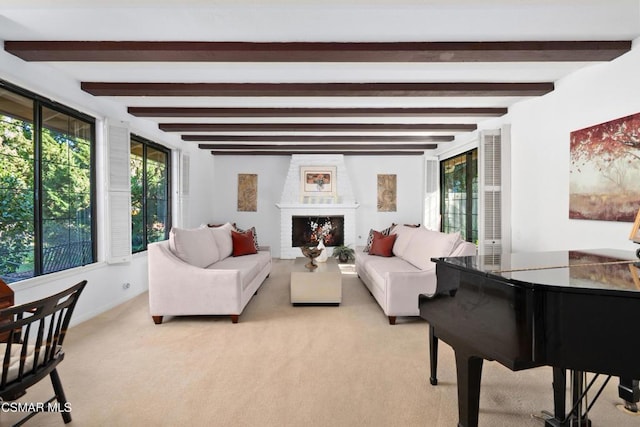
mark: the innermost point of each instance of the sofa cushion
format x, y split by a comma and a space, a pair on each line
222, 236
384, 232
243, 243
196, 246
426, 244
253, 230
378, 268
382, 245
249, 266
405, 234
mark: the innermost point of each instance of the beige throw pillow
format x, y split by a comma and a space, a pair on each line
405, 234
426, 244
196, 246
222, 236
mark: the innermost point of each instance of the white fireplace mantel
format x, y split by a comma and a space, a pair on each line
321, 206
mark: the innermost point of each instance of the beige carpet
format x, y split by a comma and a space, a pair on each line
281, 366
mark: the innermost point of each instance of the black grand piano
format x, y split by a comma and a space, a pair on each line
573, 310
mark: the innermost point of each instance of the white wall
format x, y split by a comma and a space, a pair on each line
364, 171
104, 289
540, 156
272, 171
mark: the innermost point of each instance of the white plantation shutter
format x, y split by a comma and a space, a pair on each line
183, 197
494, 179
118, 192
118, 148
432, 194
119, 232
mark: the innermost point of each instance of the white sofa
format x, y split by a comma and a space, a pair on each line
397, 281
195, 272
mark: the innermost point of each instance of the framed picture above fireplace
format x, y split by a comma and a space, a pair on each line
318, 181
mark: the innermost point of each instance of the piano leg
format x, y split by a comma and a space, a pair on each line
469, 373
560, 418
433, 356
577, 388
559, 394
629, 391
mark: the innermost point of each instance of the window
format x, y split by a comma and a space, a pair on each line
459, 202
150, 204
47, 186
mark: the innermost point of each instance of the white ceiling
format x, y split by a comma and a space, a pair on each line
319, 21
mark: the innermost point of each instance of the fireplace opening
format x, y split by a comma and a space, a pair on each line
307, 230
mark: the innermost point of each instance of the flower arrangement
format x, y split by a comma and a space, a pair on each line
321, 231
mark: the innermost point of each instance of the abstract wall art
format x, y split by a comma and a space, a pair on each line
605, 171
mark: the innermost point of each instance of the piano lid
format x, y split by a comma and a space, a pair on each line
601, 269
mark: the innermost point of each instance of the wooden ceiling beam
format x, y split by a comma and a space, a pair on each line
318, 138
316, 127
292, 152
190, 51
333, 147
316, 89
316, 112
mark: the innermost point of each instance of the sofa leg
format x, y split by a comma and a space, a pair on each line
392, 320
157, 319
234, 318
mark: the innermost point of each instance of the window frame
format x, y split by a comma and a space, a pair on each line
39, 103
146, 143
469, 215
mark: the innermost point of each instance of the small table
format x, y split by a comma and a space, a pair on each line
322, 286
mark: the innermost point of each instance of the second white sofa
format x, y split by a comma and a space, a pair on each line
396, 281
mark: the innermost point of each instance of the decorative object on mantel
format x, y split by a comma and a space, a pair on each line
318, 181
604, 171
312, 253
247, 192
319, 200
343, 253
635, 232
387, 193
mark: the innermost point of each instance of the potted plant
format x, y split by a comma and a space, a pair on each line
343, 253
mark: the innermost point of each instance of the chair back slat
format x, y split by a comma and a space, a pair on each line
35, 338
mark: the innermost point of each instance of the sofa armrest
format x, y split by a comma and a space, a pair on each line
176, 287
403, 289
464, 249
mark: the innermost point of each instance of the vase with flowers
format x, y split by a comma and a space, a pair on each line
322, 234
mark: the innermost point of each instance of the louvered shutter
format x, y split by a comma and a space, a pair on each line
494, 174
118, 192
432, 194
185, 166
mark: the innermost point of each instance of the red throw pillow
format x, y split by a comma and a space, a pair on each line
243, 243
382, 245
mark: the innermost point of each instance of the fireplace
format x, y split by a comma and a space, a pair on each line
307, 230
341, 209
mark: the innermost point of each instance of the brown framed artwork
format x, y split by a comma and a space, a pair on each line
247, 192
387, 193
318, 182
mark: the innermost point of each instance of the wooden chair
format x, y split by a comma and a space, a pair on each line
33, 348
